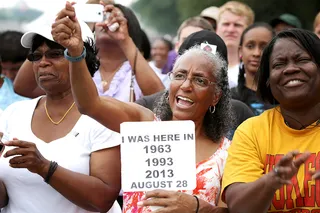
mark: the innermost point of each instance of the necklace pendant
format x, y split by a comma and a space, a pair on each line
104, 85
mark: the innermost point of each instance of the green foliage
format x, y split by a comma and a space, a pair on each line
19, 15
166, 15
158, 14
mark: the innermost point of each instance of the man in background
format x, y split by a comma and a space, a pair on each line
189, 26
234, 17
211, 15
284, 22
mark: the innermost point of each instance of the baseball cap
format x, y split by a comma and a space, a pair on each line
205, 37
288, 19
45, 31
210, 12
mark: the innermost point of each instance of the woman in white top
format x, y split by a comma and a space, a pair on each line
159, 52
59, 160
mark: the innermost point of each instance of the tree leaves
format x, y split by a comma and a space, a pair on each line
166, 15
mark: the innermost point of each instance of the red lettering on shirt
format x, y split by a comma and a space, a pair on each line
306, 197
309, 195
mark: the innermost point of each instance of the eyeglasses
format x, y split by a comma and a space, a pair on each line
197, 81
50, 54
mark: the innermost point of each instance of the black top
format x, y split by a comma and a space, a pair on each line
249, 97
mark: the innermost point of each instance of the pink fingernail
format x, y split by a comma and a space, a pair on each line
140, 203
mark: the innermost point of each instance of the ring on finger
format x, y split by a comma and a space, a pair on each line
276, 171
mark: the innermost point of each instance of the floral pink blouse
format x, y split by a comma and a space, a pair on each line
209, 176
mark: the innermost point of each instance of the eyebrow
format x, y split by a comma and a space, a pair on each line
296, 55
199, 74
181, 70
256, 42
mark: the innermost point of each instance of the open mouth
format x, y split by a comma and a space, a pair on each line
184, 102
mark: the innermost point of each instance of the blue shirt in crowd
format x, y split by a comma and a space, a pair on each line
7, 94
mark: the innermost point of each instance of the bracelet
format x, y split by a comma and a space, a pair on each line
75, 59
198, 203
52, 168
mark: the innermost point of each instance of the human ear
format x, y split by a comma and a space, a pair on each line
216, 98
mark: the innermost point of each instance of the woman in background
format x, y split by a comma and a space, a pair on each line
159, 53
252, 42
117, 64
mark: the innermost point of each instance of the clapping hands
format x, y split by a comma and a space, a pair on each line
288, 166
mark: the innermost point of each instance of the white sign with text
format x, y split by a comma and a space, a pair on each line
158, 155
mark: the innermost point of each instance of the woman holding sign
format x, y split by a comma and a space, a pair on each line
198, 91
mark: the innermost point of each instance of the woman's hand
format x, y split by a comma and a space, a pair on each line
26, 155
172, 201
288, 166
116, 16
66, 30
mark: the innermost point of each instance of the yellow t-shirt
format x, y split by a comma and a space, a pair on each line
257, 146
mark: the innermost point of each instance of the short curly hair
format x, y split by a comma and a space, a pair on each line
218, 124
92, 61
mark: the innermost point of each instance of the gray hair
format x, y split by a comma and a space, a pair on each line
215, 60
218, 124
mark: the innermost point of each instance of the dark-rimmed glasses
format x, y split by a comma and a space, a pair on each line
197, 81
50, 54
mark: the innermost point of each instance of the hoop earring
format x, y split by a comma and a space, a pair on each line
212, 110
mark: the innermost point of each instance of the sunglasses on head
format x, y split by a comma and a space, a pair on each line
50, 54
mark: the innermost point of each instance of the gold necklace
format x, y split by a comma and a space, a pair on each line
105, 82
65, 114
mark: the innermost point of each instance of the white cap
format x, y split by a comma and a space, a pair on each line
210, 12
45, 31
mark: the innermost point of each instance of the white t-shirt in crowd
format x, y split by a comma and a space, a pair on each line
233, 74
27, 191
163, 77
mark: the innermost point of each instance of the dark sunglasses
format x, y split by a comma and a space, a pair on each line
50, 54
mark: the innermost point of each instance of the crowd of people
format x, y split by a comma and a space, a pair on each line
251, 89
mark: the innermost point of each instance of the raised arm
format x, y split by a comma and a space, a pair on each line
106, 110
25, 83
147, 79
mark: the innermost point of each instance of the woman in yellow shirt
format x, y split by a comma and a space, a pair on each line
262, 167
